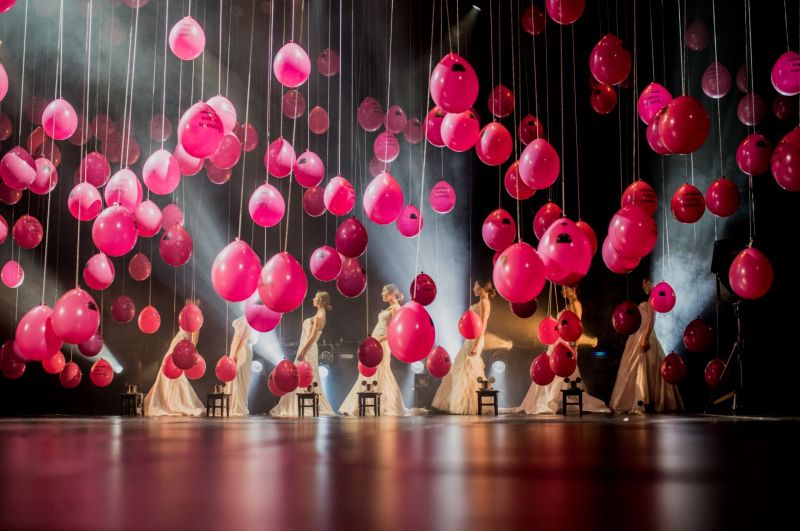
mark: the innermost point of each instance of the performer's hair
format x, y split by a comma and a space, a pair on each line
488, 287
394, 290
325, 297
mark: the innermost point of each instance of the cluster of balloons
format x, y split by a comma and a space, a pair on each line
632, 232
679, 127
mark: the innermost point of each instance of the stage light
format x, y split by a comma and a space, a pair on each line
599, 354
476, 8
498, 366
417, 367
256, 366
323, 372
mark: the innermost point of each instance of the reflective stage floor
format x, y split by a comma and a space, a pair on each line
415, 473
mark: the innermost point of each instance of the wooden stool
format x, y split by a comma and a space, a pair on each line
572, 390
308, 398
131, 404
486, 391
365, 396
218, 400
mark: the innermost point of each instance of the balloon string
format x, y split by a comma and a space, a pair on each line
85, 116
634, 114
269, 80
563, 144
247, 117
339, 134
786, 23
127, 94
127, 145
22, 74
751, 94
652, 43
219, 55
682, 45
536, 76
153, 91
447, 14
514, 88
719, 113
389, 74
108, 84
203, 60
575, 106
164, 77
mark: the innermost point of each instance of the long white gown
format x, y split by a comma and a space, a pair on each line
391, 397
173, 397
639, 375
287, 406
457, 393
242, 353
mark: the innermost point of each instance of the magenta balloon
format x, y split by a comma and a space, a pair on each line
423, 289
460, 131
84, 202
547, 331
279, 158
46, 177
328, 65
442, 197
318, 120
286, 376
247, 135
12, 274
352, 279
291, 65
494, 144
216, 175
565, 252
175, 246
75, 316
27, 231
282, 285
454, 84
662, 297
35, 337
184, 355
309, 170
547, 214
751, 109
148, 218
438, 362
603, 99
70, 376
785, 75
688, 204
351, 238
386, 147
410, 222
114, 231
412, 132
314, 201
615, 262
149, 320
723, 198
753, 154
514, 185
684, 126
98, 272
305, 373
470, 325
54, 364
529, 129
563, 360
411, 333
123, 310
501, 101
565, 12
792, 137
161, 173
187, 40
519, 273
610, 62
189, 165
226, 369
140, 267
59, 119
716, 81
339, 197
235, 271
3, 73
17, 168
370, 114
200, 130
590, 235
160, 128
540, 370
395, 119
228, 153
433, 126
642, 195
499, 230
226, 112
751, 274
383, 199
169, 369
266, 206
325, 263
198, 370
785, 164
626, 318
3, 229
260, 317
633, 232
171, 215
539, 164
653, 133
652, 98
124, 189
366, 371
569, 326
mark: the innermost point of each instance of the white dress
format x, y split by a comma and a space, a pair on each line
173, 397
391, 397
458, 391
287, 406
639, 375
242, 353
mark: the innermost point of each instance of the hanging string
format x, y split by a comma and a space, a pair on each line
682, 45
164, 76
339, 134
269, 81
785, 24
22, 73
751, 94
127, 94
563, 144
219, 55
515, 29
247, 113
575, 107
389, 75
85, 116
719, 112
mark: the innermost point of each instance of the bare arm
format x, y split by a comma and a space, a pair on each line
301, 356
577, 309
486, 309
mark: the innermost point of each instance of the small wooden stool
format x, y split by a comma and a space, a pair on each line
572, 390
308, 398
487, 392
131, 402
218, 400
364, 398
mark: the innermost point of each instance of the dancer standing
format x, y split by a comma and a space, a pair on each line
242, 354
308, 351
392, 397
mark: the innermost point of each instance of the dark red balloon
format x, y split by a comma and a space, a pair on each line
626, 318
563, 360
684, 126
569, 326
688, 204
524, 310
545, 216
351, 238
123, 310
698, 336
713, 372
423, 289
370, 352
603, 99
540, 371
673, 369
722, 197
785, 164
641, 194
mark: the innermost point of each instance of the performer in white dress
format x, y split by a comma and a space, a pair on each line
458, 391
242, 353
547, 399
392, 397
173, 397
639, 380
307, 350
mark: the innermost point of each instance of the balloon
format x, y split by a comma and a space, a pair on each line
539, 164
9, 196
351, 238
410, 222
286, 376
148, 218
713, 372
460, 131
328, 65
642, 195
103, 126
454, 84
101, 373
494, 144
282, 285
216, 175
370, 352
305, 373
370, 114
590, 235
783, 107
272, 386
279, 158
27, 231
169, 368
433, 126
626, 318
540, 371
46, 177
753, 154
124, 189
523, 310
383, 199
10, 363
35, 338
309, 170
339, 196
5, 5
59, 119
423, 289
470, 325
514, 185
98, 272
225, 369
187, 39
499, 230
247, 135
352, 279
190, 318
603, 99
386, 147
687, 204
235, 271
161, 173
12, 274
684, 126
615, 262
200, 130
184, 355
547, 331
565, 252
412, 132
17, 168
563, 360
122, 309
438, 362
673, 369
785, 164
519, 273
442, 197
501, 101
261, 318
366, 371
227, 154
750, 274
751, 109
662, 297
395, 119
569, 326
529, 129
84, 202
609, 62
653, 98
92, 346
266, 206
160, 128
633, 233
565, 12
175, 246
716, 81
653, 133
291, 65
411, 333
545, 216
226, 112
6, 127
149, 320
189, 165
314, 201
171, 215
722, 197
54, 364
697, 337
696, 37
70, 375
198, 369
784, 75
325, 263
792, 137
3, 229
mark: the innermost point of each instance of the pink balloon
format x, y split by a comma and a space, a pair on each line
442, 197
260, 317
603, 99
200, 130
187, 40
565, 252
46, 177
716, 81
17, 168
309, 170
410, 222
198, 370
610, 62
59, 119
529, 129
412, 132
161, 173
460, 131
35, 338
325, 263
189, 165
569, 326
652, 98
328, 65
3, 73
226, 112
282, 285
101, 373
370, 114
753, 154
697, 35
140, 267
411, 333
12, 274
499, 230
286, 376
519, 273
539, 164
751, 274
751, 109
318, 120
160, 128
293, 104
642, 195
266, 206
148, 218
662, 298
590, 235
279, 158
226, 369
547, 214
92, 346
684, 126
547, 331
149, 320
454, 84
470, 325
438, 362
433, 126
632, 232
785, 164
386, 147
171, 215
184, 355
70, 375
84, 202
514, 185
216, 175
169, 369
615, 262
626, 318
352, 279
75, 316
785, 75
351, 238
314, 201
124, 189
103, 126
792, 137
653, 133
501, 101
3, 229
339, 196
176, 246
723, 198
383, 199
423, 289
54, 364
688, 204
395, 119
291, 65
494, 144
305, 373
565, 12
227, 154
366, 371
563, 360
540, 371
98, 272
123, 310
27, 232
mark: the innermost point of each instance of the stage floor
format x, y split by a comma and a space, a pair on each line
436, 472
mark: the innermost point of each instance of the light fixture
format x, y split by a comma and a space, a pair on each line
417, 367
498, 366
476, 8
256, 366
323, 371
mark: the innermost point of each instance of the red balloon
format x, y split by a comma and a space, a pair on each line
615, 262
190, 319
272, 386
518, 274
92, 346
123, 310
283, 284
200, 130
149, 320
494, 144
98, 273
52, 365
370, 114
684, 126
395, 119
590, 235
438, 362
642, 195
501, 101
169, 369
198, 369
411, 333
783, 107
247, 135
698, 336
314, 201
433, 126
225, 369
351, 238
716, 81
514, 185
533, 20
539, 164
286, 376
565, 12
352, 279
309, 170
529, 129
442, 197
603, 99
785, 164
460, 130
11, 364
46, 177
140, 267
673, 369
697, 35
524, 310
306, 374
545, 216
541, 374
609, 61
470, 325
653, 98
632, 232
751, 109
750, 274
370, 352
662, 297
101, 373
410, 222
722, 197
70, 375
569, 326
260, 317
386, 147
17, 168
423, 289
626, 318
713, 372
565, 252
235, 271
293, 104
35, 338
114, 231
325, 263
366, 371
753, 154
499, 230
339, 197
688, 204
28, 232
653, 133
563, 360
453, 84
75, 316
280, 158
176, 246
266, 206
